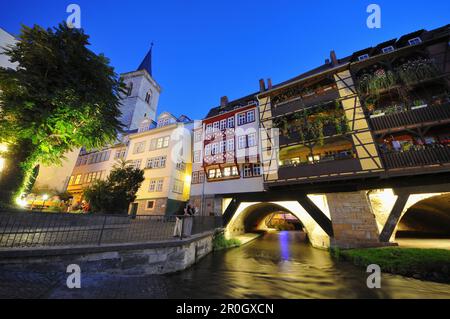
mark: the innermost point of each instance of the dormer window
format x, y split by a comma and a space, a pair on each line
388, 49
148, 97
130, 89
363, 57
415, 41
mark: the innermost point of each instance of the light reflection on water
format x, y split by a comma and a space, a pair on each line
280, 265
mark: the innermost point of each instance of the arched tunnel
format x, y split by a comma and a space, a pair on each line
264, 217
428, 218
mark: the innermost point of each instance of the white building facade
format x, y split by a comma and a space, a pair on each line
226, 155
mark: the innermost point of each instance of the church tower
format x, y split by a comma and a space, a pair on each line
142, 94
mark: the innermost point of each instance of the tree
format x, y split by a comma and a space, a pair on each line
61, 96
115, 195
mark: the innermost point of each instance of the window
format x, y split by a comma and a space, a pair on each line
415, 41
130, 89
198, 136
84, 160
216, 126
250, 116
256, 169
159, 185
178, 186
222, 146
166, 141
181, 166
227, 171
72, 178
201, 176
241, 119
242, 141
211, 173
230, 145
223, 125
234, 171
152, 186
159, 143
135, 163
197, 156
247, 170
251, 140
218, 173
195, 177
139, 147
388, 49
150, 205
215, 149
363, 57
208, 128
156, 162
162, 161
208, 150
231, 122
148, 97
78, 179
156, 185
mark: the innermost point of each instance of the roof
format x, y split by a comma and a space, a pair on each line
146, 63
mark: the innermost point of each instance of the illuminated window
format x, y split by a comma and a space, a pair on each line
78, 180
212, 173
218, 173
227, 171
178, 186
234, 171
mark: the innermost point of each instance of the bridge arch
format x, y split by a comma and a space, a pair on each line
426, 218
249, 214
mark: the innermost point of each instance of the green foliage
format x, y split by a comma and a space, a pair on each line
220, 242
433, 264
417, 70
61, 96
114, 195
374, 83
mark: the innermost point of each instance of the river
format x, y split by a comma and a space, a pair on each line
279, 265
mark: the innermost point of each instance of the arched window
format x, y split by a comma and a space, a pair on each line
148, 97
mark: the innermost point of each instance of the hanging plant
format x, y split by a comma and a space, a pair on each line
417, 70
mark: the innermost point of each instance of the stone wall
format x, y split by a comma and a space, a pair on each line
354, 223
133, 259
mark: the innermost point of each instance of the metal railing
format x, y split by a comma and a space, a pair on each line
27, 230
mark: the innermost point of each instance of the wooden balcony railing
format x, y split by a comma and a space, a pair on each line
416, 158
318, 169
411, 117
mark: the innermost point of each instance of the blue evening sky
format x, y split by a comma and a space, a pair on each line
206, 49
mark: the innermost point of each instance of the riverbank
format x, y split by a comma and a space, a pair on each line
424, 264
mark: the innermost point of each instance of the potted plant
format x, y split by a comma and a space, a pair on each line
418, 104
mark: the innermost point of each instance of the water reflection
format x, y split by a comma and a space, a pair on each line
281, 265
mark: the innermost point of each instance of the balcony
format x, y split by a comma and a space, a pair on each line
417, 157
323, 96
298, 136
319, 169
411, 117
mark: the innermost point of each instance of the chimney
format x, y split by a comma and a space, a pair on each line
269, 84
262, 85
333, 57
223, 101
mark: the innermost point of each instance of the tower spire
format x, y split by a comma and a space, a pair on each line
146, 63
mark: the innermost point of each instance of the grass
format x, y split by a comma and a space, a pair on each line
427, 264
220, 242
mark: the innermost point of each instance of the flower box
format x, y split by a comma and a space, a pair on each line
418, 106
